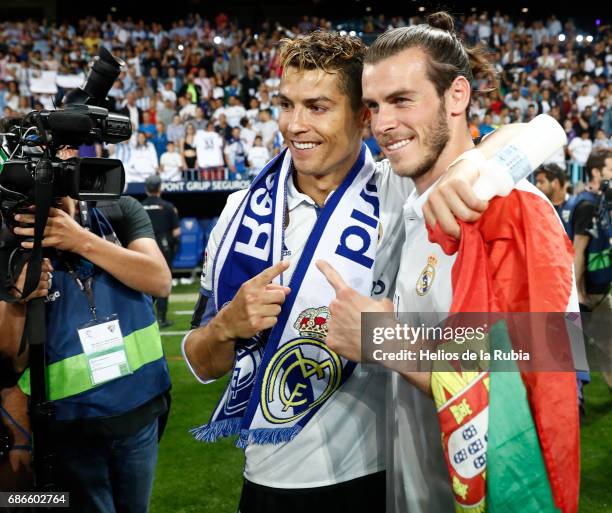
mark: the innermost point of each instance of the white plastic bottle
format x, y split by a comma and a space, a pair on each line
542, 137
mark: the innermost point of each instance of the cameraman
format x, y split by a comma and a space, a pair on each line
105, 430
586, 218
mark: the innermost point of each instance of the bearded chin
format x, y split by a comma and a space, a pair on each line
436, 138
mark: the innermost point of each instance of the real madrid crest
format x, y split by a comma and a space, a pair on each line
426, 278
303, 373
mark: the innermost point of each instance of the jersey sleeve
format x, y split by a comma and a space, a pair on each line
205, 308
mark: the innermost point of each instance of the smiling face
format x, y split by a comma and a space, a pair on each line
318, 124
408, 118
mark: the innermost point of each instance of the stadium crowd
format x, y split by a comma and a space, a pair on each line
204, 93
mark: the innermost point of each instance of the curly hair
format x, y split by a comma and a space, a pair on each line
330, 52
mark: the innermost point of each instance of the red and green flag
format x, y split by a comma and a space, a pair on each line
511, 438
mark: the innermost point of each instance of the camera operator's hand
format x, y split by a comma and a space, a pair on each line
44, 283
62, 231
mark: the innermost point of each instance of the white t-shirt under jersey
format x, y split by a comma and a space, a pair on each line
346, 438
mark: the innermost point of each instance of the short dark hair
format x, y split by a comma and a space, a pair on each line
448, 59
597, 160
552, 172
332, 53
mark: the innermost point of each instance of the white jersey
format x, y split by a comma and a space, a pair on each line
345, 439
209, 149
170, 165
234, 115
417, 479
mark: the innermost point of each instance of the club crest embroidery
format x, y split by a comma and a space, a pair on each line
426, 278
303, 373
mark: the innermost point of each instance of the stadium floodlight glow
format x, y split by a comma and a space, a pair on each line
579, 38
561, 37
352, 33
589, 39
525, 9
217, 40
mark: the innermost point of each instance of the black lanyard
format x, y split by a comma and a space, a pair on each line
86, 286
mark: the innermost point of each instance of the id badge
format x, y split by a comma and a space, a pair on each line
103, 346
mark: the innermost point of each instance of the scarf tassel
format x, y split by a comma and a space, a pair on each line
215, 430
267, 436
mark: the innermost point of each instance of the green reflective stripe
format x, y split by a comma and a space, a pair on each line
71, 376
599, 261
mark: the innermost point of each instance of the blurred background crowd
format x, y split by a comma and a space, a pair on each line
203, 93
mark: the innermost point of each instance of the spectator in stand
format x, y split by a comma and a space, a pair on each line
584, 99
474, 126
247, 134
143, 99
249, 85
602, 142
198, 121
166, 113
187, 109
267, 127
235, 156
187, 148
532, 112
221, 68
253, 112
514, 100
223, 128
204, 83
131, 110
171, 164
234, 112
232, 89
147, 127
257, 157
11, 98
168, 93
209, 147
191, 90
486, 127
143, 161
160, 139
176, 130
579, 150
567, 79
